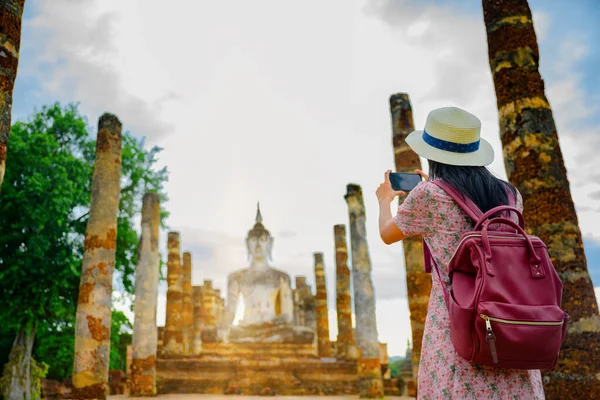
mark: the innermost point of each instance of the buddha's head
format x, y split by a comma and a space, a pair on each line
259, 241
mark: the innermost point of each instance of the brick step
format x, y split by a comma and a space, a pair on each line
254, 377
259, 350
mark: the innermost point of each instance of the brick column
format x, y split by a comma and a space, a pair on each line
418, 282
92, 327
209, 331
145, 332
173, 333
197, 337
324, 343
369, 366
187, 305
343, 300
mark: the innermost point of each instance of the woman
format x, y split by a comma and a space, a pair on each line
457, 155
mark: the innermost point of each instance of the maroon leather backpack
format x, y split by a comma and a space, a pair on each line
504, 294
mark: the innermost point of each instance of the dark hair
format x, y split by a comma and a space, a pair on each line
477, 183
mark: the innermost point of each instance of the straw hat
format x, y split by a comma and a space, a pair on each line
452, 136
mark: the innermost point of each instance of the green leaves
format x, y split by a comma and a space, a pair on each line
44, 207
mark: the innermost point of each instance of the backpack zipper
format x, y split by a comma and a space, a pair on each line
476, 235
490, 337
513, 322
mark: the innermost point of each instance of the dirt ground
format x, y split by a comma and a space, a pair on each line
229, 397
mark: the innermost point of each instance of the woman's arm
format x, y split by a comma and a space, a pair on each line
388, 230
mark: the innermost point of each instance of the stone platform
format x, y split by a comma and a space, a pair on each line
227, 397
255, 369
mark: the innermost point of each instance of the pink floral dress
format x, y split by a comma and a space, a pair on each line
443, 374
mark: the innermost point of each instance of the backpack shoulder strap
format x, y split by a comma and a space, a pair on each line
428, 261
463, 202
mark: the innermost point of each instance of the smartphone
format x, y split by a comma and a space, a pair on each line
404, 181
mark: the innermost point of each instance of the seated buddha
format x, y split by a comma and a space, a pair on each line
267, 293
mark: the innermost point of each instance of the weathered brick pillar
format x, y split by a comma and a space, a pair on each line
418, 283
299, 301
173, 333
145, 332
369, 366
220, 308
343, 299
323, 341
11, 17
308, 303
92, 329
209, 331
187, 304
534, 164
197, 337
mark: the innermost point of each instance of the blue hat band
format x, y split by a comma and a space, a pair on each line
450, 146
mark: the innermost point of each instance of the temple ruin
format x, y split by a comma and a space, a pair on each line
281, 345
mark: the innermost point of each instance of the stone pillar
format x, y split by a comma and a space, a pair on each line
187, 304
323, 341
209, 331
197, 340
308, 303
298, 303
160, 342
220, 309
92, 329
418, 282
343, 300
11, 16
534, 164
145, 332
369, 366
173, 334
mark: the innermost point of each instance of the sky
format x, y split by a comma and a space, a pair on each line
286, 102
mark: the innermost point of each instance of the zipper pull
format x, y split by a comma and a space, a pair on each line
490, 337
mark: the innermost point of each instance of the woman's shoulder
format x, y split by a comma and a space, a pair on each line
429, 189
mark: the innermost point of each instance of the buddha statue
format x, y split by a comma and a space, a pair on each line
267, 294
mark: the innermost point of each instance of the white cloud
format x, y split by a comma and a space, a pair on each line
285, 103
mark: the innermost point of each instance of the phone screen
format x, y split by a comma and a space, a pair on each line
404, 181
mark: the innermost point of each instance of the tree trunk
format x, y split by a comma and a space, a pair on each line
367, 340
11, 15
17, 381
534, 164
418, 282
92, 329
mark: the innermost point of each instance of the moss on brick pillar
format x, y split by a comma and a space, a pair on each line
92, 329
369, 366
418, 283
534, 164
173, 333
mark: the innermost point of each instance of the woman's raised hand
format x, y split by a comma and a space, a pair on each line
423, 174
385, 192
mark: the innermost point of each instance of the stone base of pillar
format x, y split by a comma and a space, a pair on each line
95, 391
370, 380
143, 377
